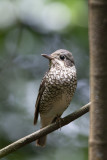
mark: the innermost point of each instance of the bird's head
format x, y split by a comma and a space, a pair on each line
61, 58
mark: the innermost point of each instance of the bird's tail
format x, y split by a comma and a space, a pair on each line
41, 141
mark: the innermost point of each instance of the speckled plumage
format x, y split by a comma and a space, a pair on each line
58, 82
56, 89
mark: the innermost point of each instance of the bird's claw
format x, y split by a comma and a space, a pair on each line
58, 120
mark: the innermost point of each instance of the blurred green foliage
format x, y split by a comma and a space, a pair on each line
28, 29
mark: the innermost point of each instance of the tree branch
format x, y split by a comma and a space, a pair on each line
44, 131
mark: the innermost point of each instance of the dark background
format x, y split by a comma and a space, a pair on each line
29, 28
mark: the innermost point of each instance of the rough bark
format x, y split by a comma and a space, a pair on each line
98, 80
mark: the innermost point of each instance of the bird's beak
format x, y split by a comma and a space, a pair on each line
47, 56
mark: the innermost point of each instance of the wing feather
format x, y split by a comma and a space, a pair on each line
41, 90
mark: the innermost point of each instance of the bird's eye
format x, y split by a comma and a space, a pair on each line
62, 57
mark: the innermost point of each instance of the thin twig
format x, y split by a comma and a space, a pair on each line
44, 131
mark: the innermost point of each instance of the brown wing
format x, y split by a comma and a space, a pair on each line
41, 89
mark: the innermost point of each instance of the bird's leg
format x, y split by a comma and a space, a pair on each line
58, 119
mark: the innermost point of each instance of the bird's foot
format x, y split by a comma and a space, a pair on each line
58, 120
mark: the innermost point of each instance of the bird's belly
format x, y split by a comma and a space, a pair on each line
58, 94
59, 105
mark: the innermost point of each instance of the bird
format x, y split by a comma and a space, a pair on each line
56, 89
